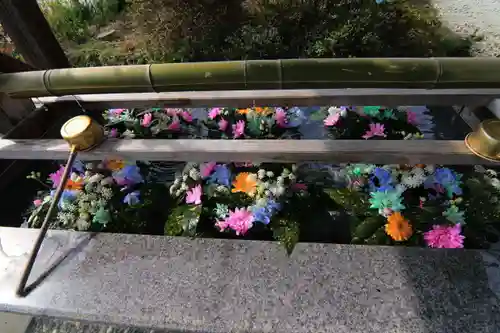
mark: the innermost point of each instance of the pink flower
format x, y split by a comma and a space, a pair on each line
240, 220
37, 202
194, 195
445, 237
239, 129
375, 130
214, 112
299, 187
206, 169
113, 133
116, 112
332, 119
186, 116
55, 177
411, 118
146, 120
172, 112
281, 118
175, 125
223, 124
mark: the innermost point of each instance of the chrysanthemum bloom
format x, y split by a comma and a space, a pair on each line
239, 129
281, 118
147, 120
397, 227
245, 182
240, 220
445, 237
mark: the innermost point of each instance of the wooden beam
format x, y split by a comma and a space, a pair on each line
334, 151
297, 97
25, 24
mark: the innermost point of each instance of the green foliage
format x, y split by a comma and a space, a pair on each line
192, 30
287, 232
183, 221
71, 19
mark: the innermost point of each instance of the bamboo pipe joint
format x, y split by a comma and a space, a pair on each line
82, 133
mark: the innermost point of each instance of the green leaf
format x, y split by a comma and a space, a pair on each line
253, 125
183, 221
287, 232
319, 114
102, 216
368, 227
351, 200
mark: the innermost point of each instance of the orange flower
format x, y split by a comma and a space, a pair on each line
263, 111
244, 182
115, 165
74, 185
243, 111
397, 227
420, 166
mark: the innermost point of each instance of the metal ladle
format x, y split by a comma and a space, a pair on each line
82, 134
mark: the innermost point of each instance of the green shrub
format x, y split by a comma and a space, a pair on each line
71, 19
190, 30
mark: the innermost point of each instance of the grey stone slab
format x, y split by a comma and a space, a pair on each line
207, 285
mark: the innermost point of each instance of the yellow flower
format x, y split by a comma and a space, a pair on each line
263, 111
398, 228
245, 182
115, 165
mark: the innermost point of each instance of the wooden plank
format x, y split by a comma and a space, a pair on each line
335, 151
297, 97
25, 24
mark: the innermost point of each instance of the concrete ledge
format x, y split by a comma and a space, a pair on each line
210, 285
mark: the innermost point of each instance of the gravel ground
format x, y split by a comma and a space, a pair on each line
468, 16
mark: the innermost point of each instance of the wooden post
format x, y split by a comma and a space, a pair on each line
25, 24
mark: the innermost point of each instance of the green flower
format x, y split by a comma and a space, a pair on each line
372, 111
388, 114
386, 199
360, 169
102, 216
454, 215
221, 211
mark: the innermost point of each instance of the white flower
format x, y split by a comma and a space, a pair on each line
95, 178
280, 190
82, 224
412, 181
185, 177
177, 181
106, 193
195, 174
261, 173
333, 110
107, 181
280, 180
128, 134
479, 168
491, 173
429, 168
292, 177
173, 189
221, 189
270, 174
178, 193
184, 187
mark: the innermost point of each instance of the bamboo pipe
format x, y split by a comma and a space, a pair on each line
425, 73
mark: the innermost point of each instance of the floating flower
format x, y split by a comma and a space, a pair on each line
172, 112
386, 199
113, 133
221, 175
186, 116
128, 176
37, 202
240, 220
56, 177
281, 118
214, 112
447, 179
73, 185
453, 215
446, 237
332, 119
239, 129
265, 213
206, 169
223, 124
243, 111
372, 111
295, 117
175, 125
263, 111
194, 195
116, 112
375, 130
67, 196
384, 179
411, 118
398, 228
221, 211
146, 120
114, 165
245, 182
132, 198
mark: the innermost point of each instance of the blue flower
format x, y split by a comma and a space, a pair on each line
264, 214
295, 117
446, 178
129, 175
78, 166
67, 196
221, 175
132, 198
384, 178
